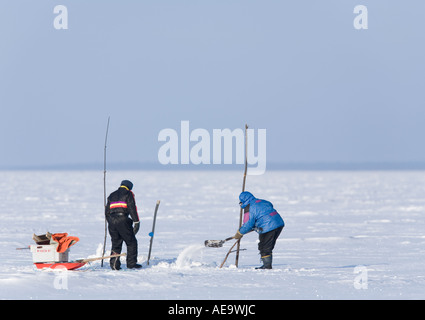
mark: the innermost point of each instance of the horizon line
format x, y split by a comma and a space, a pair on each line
287, 166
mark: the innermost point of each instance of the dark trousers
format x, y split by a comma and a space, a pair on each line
121, 230
268, 241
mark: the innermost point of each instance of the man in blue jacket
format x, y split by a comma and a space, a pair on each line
260, 216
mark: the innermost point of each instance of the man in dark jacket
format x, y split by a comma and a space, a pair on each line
260, 216
121, 204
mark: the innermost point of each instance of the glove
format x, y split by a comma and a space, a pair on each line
238, 235
136, 227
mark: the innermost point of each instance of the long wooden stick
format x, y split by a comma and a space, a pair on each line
104, 189
101, 258
230, 250
243, 189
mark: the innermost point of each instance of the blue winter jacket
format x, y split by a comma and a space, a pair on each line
262, 217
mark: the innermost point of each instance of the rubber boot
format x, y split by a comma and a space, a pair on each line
115, 262
267, 262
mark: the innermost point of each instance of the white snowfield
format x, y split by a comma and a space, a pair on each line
348, 235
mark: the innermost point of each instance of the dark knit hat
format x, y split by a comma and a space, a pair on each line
127, 184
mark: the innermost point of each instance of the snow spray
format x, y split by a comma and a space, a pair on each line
185, 258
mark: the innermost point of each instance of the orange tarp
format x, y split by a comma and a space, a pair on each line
64, 242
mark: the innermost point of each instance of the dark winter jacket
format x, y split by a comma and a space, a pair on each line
261, 217
122, 202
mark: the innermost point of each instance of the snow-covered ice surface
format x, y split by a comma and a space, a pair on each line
348, 235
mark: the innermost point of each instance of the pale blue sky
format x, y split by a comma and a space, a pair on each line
323, 90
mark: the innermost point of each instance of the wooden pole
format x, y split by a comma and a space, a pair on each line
243, 189
153, 230
104, 190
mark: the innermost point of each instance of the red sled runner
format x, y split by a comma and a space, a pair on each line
60, 265
72, 265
